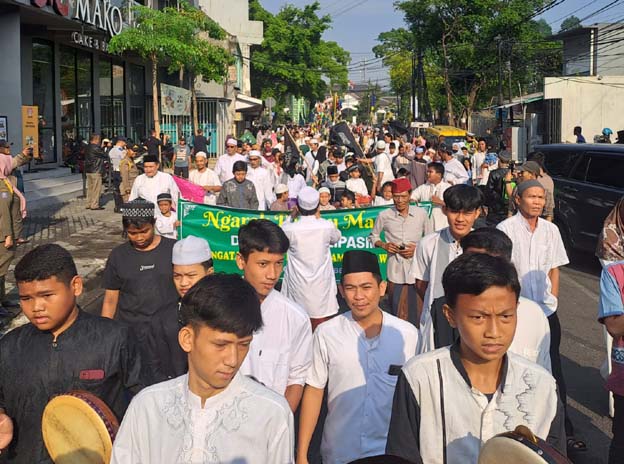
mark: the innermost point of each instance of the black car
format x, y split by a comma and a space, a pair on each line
589, 180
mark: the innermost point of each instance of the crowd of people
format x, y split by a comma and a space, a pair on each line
284, 364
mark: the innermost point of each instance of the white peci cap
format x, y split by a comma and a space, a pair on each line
308, 198
191, 250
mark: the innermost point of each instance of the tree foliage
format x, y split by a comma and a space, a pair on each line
461, 40
572, 22
293, 58
180, 38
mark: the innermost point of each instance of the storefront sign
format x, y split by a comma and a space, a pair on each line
100, 14
174, 101
89, 42
30, 128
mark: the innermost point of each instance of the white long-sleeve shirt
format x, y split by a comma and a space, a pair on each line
261, 178
149, 188
309, 277
246, 423
224, 165
424, 193
455, 172
281, 351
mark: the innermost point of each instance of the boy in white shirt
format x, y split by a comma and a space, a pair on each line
450, 401
281, 352
166, 218
214, 413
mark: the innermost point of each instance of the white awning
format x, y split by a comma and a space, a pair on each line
245, 103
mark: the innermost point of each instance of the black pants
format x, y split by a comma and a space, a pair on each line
116, 193
181, 171
616, 451
557, 372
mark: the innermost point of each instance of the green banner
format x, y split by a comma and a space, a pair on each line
220, 227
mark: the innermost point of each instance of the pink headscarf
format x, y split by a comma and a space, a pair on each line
6, 168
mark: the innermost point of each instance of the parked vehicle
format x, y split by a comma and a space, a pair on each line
589, 180
451, 134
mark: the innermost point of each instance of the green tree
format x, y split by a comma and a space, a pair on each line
570, 23
463, 39
182, 37
293, 58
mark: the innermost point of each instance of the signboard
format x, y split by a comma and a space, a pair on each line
174, 101
4, 128
30, 128
220, 226
101, 14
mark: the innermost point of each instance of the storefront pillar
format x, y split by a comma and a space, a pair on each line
10, 76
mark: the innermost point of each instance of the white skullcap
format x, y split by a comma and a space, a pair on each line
313, 142
231, 142
381, 145
308, 198
191, 250
254, 153
201, 154
324, 190
281, 188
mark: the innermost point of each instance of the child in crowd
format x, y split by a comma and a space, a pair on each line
167, 218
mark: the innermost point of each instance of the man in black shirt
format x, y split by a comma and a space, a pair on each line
496, 199
138, 278
152, 143
62, 349
200, 143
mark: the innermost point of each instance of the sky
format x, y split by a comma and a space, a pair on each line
357, 23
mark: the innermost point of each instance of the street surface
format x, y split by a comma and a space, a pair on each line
582, 354
90, 235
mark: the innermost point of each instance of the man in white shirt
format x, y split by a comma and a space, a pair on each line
383, 165
309, 277
357, 356
225, 163
433, 191
454, 171
261, 178
153, 182
116, 154
281, 351
477, 162
206, 178
450, 401
214, 413
532, 337
435, 251
538, 252
403, 227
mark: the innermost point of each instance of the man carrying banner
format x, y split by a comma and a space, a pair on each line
403, 227
309, 278
206, 178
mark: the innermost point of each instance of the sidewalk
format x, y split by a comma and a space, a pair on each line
88, 235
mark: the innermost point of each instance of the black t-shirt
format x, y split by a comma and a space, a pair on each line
144, 280
200, 144
152, 145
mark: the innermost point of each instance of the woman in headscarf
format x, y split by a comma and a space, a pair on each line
12, 211
611, 240
610, 249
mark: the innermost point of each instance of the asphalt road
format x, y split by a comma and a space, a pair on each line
583, 352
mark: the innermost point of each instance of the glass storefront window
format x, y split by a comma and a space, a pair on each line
136, 91
76, 101
112, 99
43, 96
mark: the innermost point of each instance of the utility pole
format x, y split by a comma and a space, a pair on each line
413, 90
499, 44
